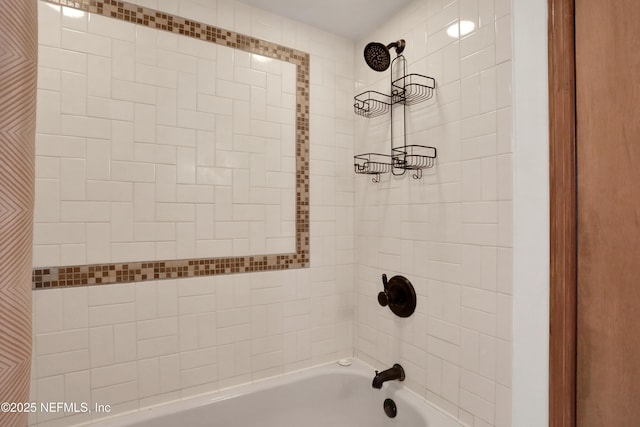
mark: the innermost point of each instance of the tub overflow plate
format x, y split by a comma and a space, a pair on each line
390, 408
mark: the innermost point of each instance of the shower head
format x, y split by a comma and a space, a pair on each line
377, 55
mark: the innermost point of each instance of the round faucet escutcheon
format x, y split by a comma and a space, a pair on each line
399, 295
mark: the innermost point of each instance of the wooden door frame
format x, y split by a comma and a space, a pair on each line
563, 214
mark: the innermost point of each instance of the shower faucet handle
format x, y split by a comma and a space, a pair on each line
383, 298
399, 295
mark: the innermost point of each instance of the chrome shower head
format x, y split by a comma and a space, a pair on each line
377, 55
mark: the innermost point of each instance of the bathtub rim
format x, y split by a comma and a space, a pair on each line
356, 368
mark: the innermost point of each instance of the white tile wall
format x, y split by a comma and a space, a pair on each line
143, 344
145, 108
147, 165
449, 233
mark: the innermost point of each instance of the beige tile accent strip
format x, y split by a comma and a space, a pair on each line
18, 74
83, 275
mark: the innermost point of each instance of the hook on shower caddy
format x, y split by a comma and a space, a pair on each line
407, 90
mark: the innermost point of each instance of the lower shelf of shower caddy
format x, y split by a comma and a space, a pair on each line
414, 157
372, 164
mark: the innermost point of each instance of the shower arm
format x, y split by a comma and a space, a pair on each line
398, 46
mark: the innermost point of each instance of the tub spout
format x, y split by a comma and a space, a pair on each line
394, 373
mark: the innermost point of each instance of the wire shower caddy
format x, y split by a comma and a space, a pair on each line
410, 89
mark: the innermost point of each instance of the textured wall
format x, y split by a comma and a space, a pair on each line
18, 75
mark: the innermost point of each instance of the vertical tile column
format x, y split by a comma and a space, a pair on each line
18, 75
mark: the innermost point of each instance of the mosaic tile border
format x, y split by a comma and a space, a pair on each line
124, 272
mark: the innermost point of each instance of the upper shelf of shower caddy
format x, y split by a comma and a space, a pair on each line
407, 90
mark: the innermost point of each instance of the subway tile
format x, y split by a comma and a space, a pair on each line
502, 7
480, 212
122, 61
132, 171
443, 18
505, 224
504, 319
145, 123
156, 76
478, 40
503, 39
470, 90
489, 178
156, 328
196, 304
167, 108
198, 358
85, 42
50, 389
488, 88
49, 21
443, 330
62, 59
119, 393
110, 109
153, 232
487, 356
109, 191
75, 19
72, 179
48, 311
122, 147
111, 314
503, 367
196, 376
132, 251
48, 112
478, 385
504, 130
136, 92
504, 95
47, 203
505, 271
450, 382
169, 373
478, 61
99, 76
121, 223
173, 59
486, 9
85, 126
77, 386
73, 93
101, 346
481, 300
98, 159
158, 346
73, 254
61, 342
112, 28
479, 407
58, 233
124, 339
61, 363
188, 332
48, 79
503, 406
75, 310
148, 377
113, 374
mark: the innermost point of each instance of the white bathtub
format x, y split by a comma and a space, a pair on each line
326, 396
